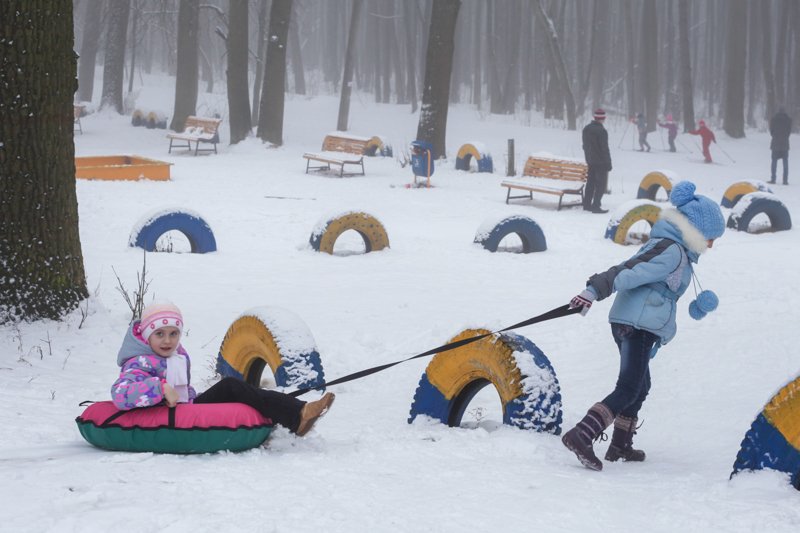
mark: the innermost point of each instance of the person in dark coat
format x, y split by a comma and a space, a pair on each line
598, 158
780, 127
672, 131
641, 125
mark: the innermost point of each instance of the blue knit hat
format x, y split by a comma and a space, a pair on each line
702, 212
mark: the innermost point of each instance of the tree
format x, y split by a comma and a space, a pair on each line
560, 66
735, 61
347, 75
438, 68
270, 122
238, 96
260, 53
89, 45
186, 77
114, 66
684, 51
41, 264
649, 63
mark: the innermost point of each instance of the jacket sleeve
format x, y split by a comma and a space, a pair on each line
138, 385
619, 277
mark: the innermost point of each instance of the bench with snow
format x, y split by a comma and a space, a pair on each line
196, 130
550, 176
341, 149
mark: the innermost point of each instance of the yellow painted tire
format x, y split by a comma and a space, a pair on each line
269, 336
377, 146
651, 183
617, 229
735, 192
328, 230
518, 370
468, 152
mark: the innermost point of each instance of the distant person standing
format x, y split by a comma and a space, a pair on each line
598, 158
707, 136
780, 127
672, 131
641, 125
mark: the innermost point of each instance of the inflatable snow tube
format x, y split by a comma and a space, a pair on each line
477, 152
328, 229
773, 440
490, 233
653, 181
184, 429
274, 337
147, 231
627, 215
522, 375
735, 192
378, 146
756, 203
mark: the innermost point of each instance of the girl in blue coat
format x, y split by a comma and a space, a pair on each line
642, 316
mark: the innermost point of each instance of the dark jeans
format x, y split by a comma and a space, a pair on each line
596, 184
633, 382
671, 141
281, 408
784, 155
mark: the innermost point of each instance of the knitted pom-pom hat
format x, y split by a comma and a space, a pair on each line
160, 315
702, 212
599, 114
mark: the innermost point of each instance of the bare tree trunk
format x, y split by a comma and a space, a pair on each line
134, 38
766, 59
736, 56
41, 262
649, 63
411, 41
270, 123
114, 67
296, 57
687, 95
752, 54
438, 67
780, 51
630, 55
186, 77
89, 45
561, 68
347, 75
262, 50
238, 61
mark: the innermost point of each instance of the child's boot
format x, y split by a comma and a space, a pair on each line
313, 411
579, 439
621, 446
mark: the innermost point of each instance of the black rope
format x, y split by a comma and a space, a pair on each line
558, 312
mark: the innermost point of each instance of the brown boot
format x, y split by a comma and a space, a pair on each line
579, 439
313, 411
621, 446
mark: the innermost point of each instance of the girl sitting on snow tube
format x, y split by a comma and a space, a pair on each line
155, 368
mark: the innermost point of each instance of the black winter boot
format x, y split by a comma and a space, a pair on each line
579, 439
621, 446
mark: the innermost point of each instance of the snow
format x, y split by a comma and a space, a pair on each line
364, 468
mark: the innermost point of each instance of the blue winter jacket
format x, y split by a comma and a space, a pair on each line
648, 292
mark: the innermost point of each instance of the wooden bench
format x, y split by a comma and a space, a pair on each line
197, 130
77, 111
340, 149
550, 176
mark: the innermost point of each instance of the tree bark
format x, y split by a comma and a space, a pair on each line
89, 45
649, 63
114, 67
270, 123
297, 57
560, 66
630, 56
238, 61
735, 62
687, 95
41, 263
780, 51
134, 39
438, 69
186, 78
347, 74
260, 58
411, 37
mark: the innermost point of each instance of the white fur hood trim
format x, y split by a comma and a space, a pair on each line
692, 237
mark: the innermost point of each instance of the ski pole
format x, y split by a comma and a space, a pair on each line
724, 152
623, 135
683, 145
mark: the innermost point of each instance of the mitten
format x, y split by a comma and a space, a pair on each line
583, 300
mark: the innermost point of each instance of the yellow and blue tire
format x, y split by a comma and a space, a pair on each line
651, 183
468, 152
735, 192
617, 230
137, 118
525, 228
255, 340
757, 203
324, 236
377, 146
773, 441
522, 375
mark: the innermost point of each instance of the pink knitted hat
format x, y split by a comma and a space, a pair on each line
156, 316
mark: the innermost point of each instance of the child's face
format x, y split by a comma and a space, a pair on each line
164, 340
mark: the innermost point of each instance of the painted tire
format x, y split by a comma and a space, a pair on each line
328, 230
137, 118
735, 192
651, 183
756, 203
378, 146
522, 375
468, 152
773, 440
150, 228
617, 229
274, 337
527, 229
196, 428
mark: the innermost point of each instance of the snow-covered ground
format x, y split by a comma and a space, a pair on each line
364, 468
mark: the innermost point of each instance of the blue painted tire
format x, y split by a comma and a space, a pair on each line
191, 225
530, 392
776, 211
529, 232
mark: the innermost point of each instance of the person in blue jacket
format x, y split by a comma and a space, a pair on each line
642, 316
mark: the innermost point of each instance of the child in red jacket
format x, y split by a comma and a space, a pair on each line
707, 135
